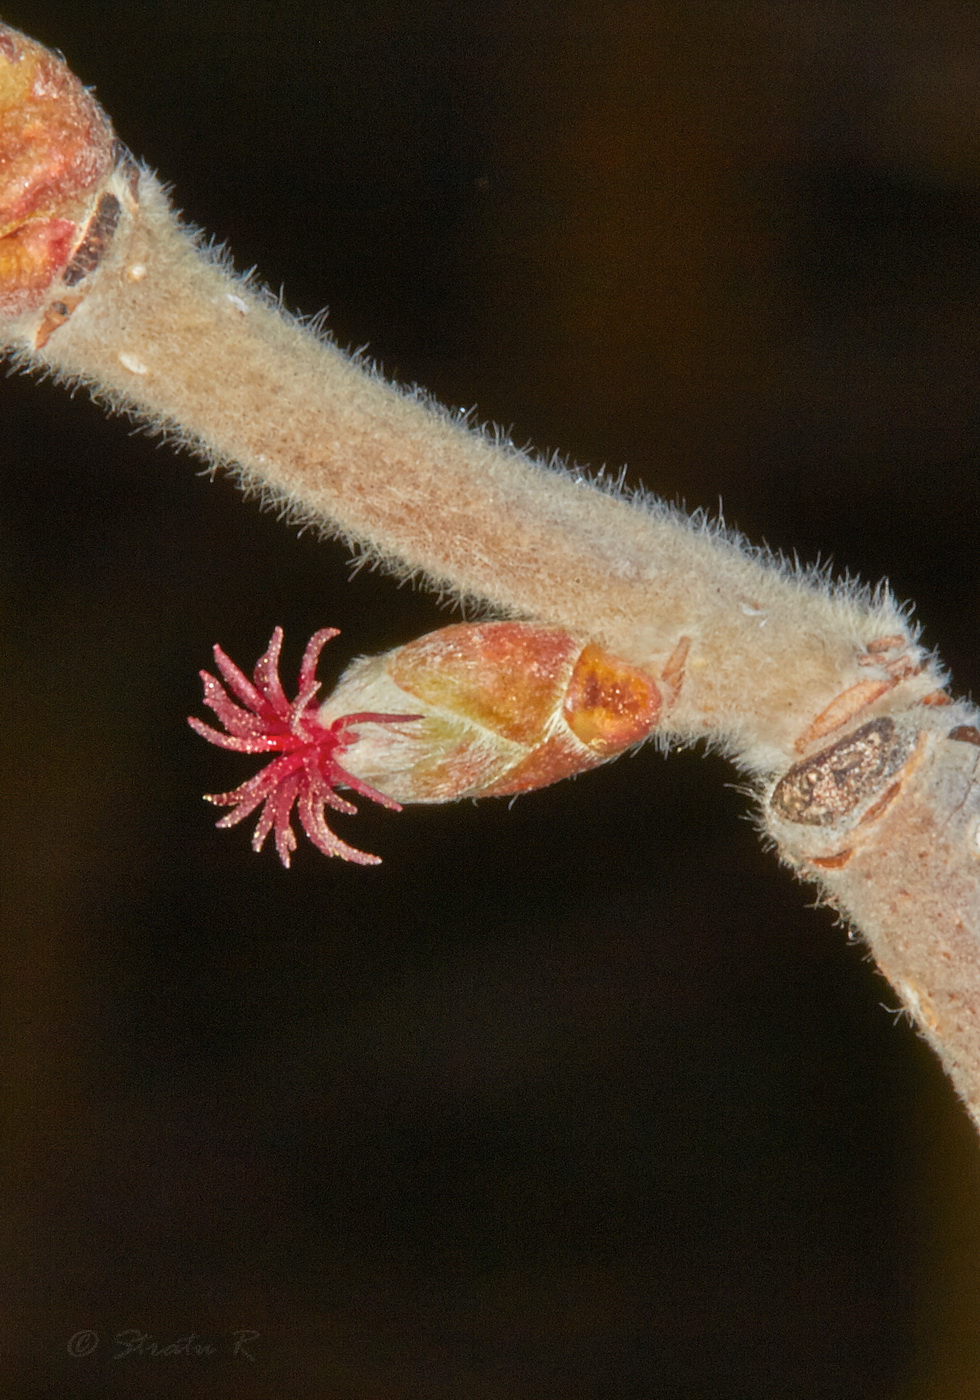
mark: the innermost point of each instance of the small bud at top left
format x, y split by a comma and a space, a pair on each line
56, 149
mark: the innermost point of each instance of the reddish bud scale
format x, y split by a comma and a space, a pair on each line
56, 149
509, 707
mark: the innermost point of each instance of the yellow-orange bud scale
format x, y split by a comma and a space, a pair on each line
505, 707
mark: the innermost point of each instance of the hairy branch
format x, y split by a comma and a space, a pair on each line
867, 773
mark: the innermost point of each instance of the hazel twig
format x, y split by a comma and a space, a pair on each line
867, 772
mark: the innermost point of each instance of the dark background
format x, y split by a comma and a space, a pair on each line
578, 1100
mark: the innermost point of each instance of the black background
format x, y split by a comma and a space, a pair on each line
577, 1100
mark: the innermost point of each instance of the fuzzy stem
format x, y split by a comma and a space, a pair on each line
170, 334
868, 775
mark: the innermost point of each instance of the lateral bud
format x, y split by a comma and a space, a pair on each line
57, 155
503, 708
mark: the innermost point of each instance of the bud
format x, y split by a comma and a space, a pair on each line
56, 149
475, 710
504, 707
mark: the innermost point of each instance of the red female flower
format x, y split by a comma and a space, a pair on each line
307, 771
